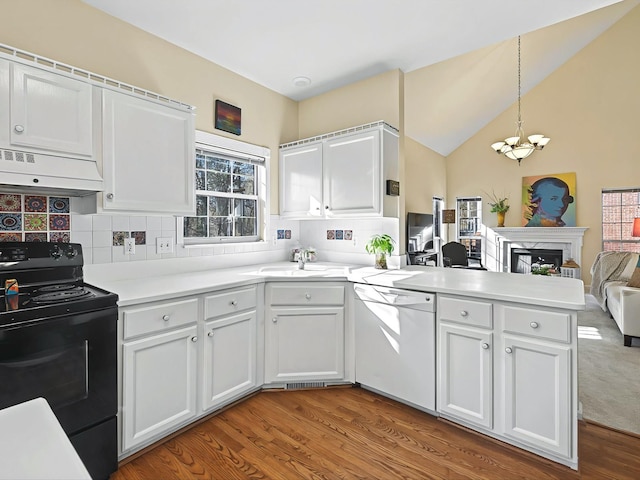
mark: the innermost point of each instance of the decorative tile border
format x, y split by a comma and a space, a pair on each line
34, 218
339, 234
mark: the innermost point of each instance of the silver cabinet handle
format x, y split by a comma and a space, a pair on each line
508, 350
110, 196
485, 346
166, 318
194, 339
234, 302
464, 313
307, 296
274, 319
210, 334
19, 128
534, 324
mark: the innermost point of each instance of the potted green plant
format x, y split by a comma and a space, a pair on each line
381, 245
500, 206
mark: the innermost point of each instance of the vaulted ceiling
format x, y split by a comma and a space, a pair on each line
459, 56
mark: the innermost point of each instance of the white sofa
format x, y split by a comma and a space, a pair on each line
611, 290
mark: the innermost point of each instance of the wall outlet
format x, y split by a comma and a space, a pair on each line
164, 245
129, 246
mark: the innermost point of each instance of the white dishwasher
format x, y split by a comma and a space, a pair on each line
395, 343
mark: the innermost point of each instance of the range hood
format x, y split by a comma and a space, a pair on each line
48, 174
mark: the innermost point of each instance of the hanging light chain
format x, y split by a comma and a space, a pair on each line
519, 89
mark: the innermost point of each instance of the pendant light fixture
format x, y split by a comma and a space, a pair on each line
516, 148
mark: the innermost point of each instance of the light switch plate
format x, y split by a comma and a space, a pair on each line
164, 245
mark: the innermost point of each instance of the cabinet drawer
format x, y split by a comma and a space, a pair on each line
538, 323
229, 301
468, 312
296, 294
158, 317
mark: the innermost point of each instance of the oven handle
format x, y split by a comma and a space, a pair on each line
32, 362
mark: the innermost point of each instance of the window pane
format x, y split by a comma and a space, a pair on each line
219, 227
246, 227
218, 164
201, 205
218, 182
243, 185
243, 168
200, 179
618, 211
219, 207
195, 226
244, 208
200, 161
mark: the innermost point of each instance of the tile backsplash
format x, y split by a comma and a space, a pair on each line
25, 217
34, 218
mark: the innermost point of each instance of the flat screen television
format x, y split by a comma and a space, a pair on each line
419, 232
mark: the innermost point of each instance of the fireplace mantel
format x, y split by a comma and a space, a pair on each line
569, 239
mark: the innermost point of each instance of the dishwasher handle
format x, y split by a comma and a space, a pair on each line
393, 296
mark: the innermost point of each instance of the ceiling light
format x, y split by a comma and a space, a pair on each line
302, 81
515, 147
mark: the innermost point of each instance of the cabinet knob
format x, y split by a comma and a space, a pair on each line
194, 339
534, 324
326, 207
307, 296
110, 196
485, 346
234, 302
274, 319
19, 128
210, 334
166, 318
508, 350
464, 313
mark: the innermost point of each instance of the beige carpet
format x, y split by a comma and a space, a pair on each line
608, 372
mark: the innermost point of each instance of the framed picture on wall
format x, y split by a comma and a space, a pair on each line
549, 200
227, 117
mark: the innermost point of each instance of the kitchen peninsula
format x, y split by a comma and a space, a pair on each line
506, 351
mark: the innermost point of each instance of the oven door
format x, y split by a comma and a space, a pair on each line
69, 360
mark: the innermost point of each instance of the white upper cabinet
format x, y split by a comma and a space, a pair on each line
148, 156
51, 112
301, 181
352, 170
342, 174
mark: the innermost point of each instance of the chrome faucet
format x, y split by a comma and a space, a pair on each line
302, 258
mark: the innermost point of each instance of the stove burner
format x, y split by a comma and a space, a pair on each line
58, 295
55, 288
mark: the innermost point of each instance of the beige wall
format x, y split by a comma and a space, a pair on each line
426, 179
72, 32
589, 108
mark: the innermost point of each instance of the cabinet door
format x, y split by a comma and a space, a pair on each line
229, 367
304, 344
51, 112
301, 181
537, 394
465, 374
149, 156
352, 168
159, 385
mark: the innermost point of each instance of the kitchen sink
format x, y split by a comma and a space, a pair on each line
310, 270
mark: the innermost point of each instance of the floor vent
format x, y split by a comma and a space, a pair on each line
299, 385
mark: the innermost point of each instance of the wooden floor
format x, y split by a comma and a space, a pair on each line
350, 433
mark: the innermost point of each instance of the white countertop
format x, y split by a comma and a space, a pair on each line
158, 281
33, 445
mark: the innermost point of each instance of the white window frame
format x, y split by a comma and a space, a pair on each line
260, 156
624, 222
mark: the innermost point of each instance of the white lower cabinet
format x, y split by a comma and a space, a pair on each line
537, 394
304, 332
510, 371
229, 367
465, 373
182, 359
160, 384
